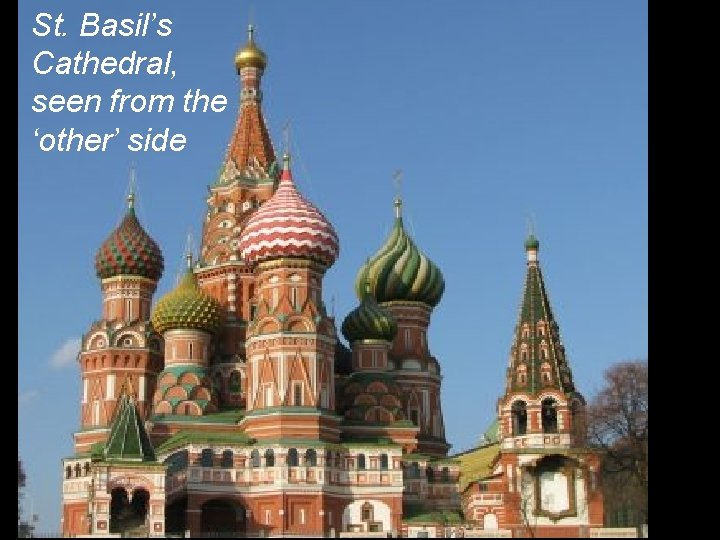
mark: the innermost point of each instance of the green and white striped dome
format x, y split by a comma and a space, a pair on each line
400, 271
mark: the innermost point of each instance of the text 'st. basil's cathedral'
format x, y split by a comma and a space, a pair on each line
230, 407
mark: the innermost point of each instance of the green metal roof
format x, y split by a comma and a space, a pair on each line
128, 440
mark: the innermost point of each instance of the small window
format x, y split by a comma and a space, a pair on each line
430, 474
367, 513
519, 418
86, 469
269, 458
68, 472
292, 457
445, 475
297, 394
383, 461
235, 379
206, 458
361, 462
190, 350
293, 297
227, 459
311, 458
549, 416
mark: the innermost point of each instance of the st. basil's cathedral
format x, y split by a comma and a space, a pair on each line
229, 407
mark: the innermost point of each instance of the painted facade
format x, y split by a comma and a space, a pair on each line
230, 407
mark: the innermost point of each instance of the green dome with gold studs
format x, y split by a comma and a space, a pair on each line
187, 307
400, 271
369, 321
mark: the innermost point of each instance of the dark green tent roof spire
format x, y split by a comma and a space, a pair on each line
537, 356
128, 440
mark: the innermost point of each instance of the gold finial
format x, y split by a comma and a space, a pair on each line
250, 55
397, 180
131, 194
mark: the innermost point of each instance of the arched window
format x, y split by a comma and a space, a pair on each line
68, 472
361, 461
269, 458
227, 459
519, 418
549, 416
255, 458
429, 474
310, 458
206, 458
292, 457
383, 461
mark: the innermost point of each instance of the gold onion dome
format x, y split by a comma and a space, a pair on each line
400, 271
187, 307
369, 321
129, 250
250, 55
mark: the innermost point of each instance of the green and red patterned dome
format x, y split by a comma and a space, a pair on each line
187, 307
400, 271
129, 250
369, 321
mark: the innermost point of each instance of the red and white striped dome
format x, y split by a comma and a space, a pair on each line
287, 225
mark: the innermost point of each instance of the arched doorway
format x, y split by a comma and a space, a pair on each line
222, 516
128, 513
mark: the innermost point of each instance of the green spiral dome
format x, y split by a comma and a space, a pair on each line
400, 271
187, 307
369, 321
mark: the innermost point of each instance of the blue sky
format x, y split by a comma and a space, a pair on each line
494, 110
